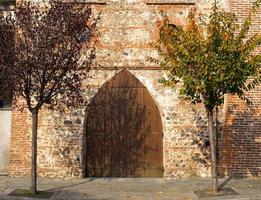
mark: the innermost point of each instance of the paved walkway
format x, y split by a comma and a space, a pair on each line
131, 188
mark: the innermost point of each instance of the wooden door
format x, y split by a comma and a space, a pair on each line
124, 131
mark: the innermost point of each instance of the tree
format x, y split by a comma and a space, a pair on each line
209, 59
7, 2
50, 59
6, 55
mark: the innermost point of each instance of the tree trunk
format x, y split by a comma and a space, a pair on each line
216, 136
213, 152
34, 152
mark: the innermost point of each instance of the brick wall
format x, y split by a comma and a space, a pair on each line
241, 139
20, 146
126, 28
241, 8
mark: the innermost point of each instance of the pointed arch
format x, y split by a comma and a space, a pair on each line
123, 130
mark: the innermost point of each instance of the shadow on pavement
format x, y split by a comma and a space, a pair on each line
222, 185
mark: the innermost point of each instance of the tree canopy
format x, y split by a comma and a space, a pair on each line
211, 58
50, 60
7, 42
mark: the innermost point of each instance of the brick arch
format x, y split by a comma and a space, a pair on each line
123, 131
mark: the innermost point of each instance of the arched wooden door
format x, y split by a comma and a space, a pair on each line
124, 131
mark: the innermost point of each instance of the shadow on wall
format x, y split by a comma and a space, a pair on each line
241, 141
203, 142
197, 139
123, 131
114, 137
59, 143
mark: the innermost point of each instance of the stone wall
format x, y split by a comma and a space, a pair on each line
60, 137
126, 29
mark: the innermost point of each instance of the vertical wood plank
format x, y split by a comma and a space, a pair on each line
125, 130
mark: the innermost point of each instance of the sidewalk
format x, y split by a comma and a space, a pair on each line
131, 188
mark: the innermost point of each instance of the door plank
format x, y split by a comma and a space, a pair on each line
124, 130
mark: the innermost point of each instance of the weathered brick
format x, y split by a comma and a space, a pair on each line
126, 29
